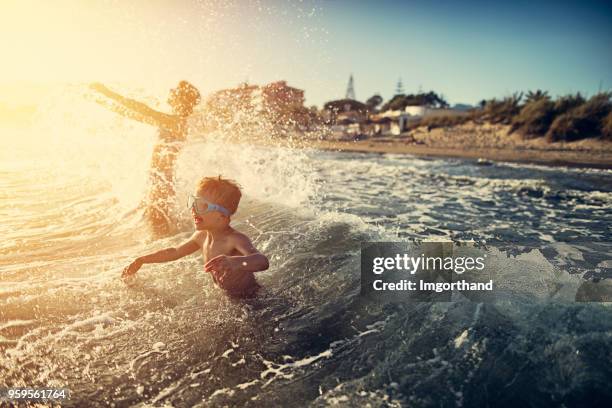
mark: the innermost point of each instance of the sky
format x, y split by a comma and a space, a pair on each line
464, 50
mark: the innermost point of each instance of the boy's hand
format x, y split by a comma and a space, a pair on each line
222, 267
132, 268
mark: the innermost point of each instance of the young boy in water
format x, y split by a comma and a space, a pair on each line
229, 256
172, 133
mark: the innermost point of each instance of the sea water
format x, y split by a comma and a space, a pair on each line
70, 222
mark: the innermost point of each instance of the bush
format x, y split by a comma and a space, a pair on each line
444, 121
502, 111
534, 118
539, 112
438, 121
583, 121
567, 127
565, 103
606, 127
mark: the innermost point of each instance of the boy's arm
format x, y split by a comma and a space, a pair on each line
251, 259
133, 109
164, 255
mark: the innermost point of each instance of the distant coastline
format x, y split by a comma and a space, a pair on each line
532, 127
478, 141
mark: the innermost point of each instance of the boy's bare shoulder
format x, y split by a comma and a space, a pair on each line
239, 238
199, 237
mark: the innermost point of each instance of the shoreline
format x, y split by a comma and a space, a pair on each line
547, 157
474, 141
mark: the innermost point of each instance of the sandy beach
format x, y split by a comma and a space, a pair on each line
487, 142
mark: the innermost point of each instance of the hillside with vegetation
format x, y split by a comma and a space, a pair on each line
536, 115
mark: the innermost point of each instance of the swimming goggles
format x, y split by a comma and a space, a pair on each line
201, 206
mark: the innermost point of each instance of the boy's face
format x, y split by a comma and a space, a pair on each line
209, 219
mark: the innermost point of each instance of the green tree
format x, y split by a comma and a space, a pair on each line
536, 96
429, 99
374, 101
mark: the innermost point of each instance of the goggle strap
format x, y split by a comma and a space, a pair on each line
192, 200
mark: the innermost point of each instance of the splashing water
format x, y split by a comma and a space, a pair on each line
70, 221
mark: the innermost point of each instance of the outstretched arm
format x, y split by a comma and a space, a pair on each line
164, 255
133, 109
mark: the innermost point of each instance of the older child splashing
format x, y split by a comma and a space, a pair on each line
172, 132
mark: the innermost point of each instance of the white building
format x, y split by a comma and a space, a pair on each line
416, 110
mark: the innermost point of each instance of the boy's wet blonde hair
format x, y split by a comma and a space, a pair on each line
221, 191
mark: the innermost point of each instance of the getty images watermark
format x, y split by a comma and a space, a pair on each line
427, 271
452, 271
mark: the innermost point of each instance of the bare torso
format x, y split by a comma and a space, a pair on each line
166, 151
161, 193
246, 285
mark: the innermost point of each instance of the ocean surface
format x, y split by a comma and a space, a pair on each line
69, 221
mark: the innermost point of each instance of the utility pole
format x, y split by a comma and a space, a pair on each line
350, 89
399, 88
